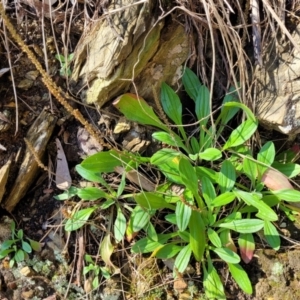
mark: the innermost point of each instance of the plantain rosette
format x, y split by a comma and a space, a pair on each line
130, 43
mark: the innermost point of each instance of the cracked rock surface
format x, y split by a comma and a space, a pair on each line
278, 86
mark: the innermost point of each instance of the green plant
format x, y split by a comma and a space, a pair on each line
94, 271
18, 247
65, 70
225, 193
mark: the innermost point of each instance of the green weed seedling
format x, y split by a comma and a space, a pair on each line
65, 70
94, 271
225, 193
18, 247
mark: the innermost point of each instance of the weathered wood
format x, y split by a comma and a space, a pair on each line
278, 87
126, 45
38, 135
4, 172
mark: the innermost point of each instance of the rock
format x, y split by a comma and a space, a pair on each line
278, 87
129, 44
27, 294
38, 135
26, 271
87, 143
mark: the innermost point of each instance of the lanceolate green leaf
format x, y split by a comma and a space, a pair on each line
151, 232
19, 256
241, 277
211, 174
191, 83
247, 110
208, 190
183, 258
105, 161
241, 134
93, 176
170, 139
288, 195
214, 238
289, 169
213, 285
167, 160
172, 106
26, 247
250, 169
139, 218
168, 251
202, 108
183, 214
267, 153
164, 156
36, 246
271, 235
227, 255
119, 226
264, 211
197, 235
152, 200
210, 154
227, 176
136, 109
188, 175
227, 113
79, 218
91, 193
223, 199
147, 245
244, 226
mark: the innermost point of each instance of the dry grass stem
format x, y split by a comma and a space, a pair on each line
36, 157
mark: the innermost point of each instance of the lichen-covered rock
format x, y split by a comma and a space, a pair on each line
129, 45
278, 87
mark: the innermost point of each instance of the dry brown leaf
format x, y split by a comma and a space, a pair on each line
275, 180
179, 285
63, 177
88, 285
137, 178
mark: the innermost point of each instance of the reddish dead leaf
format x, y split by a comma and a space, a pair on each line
247, 247
275, 180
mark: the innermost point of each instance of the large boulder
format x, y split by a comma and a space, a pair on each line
130, 48
278, 86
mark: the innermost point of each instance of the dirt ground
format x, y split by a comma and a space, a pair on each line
52, 272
